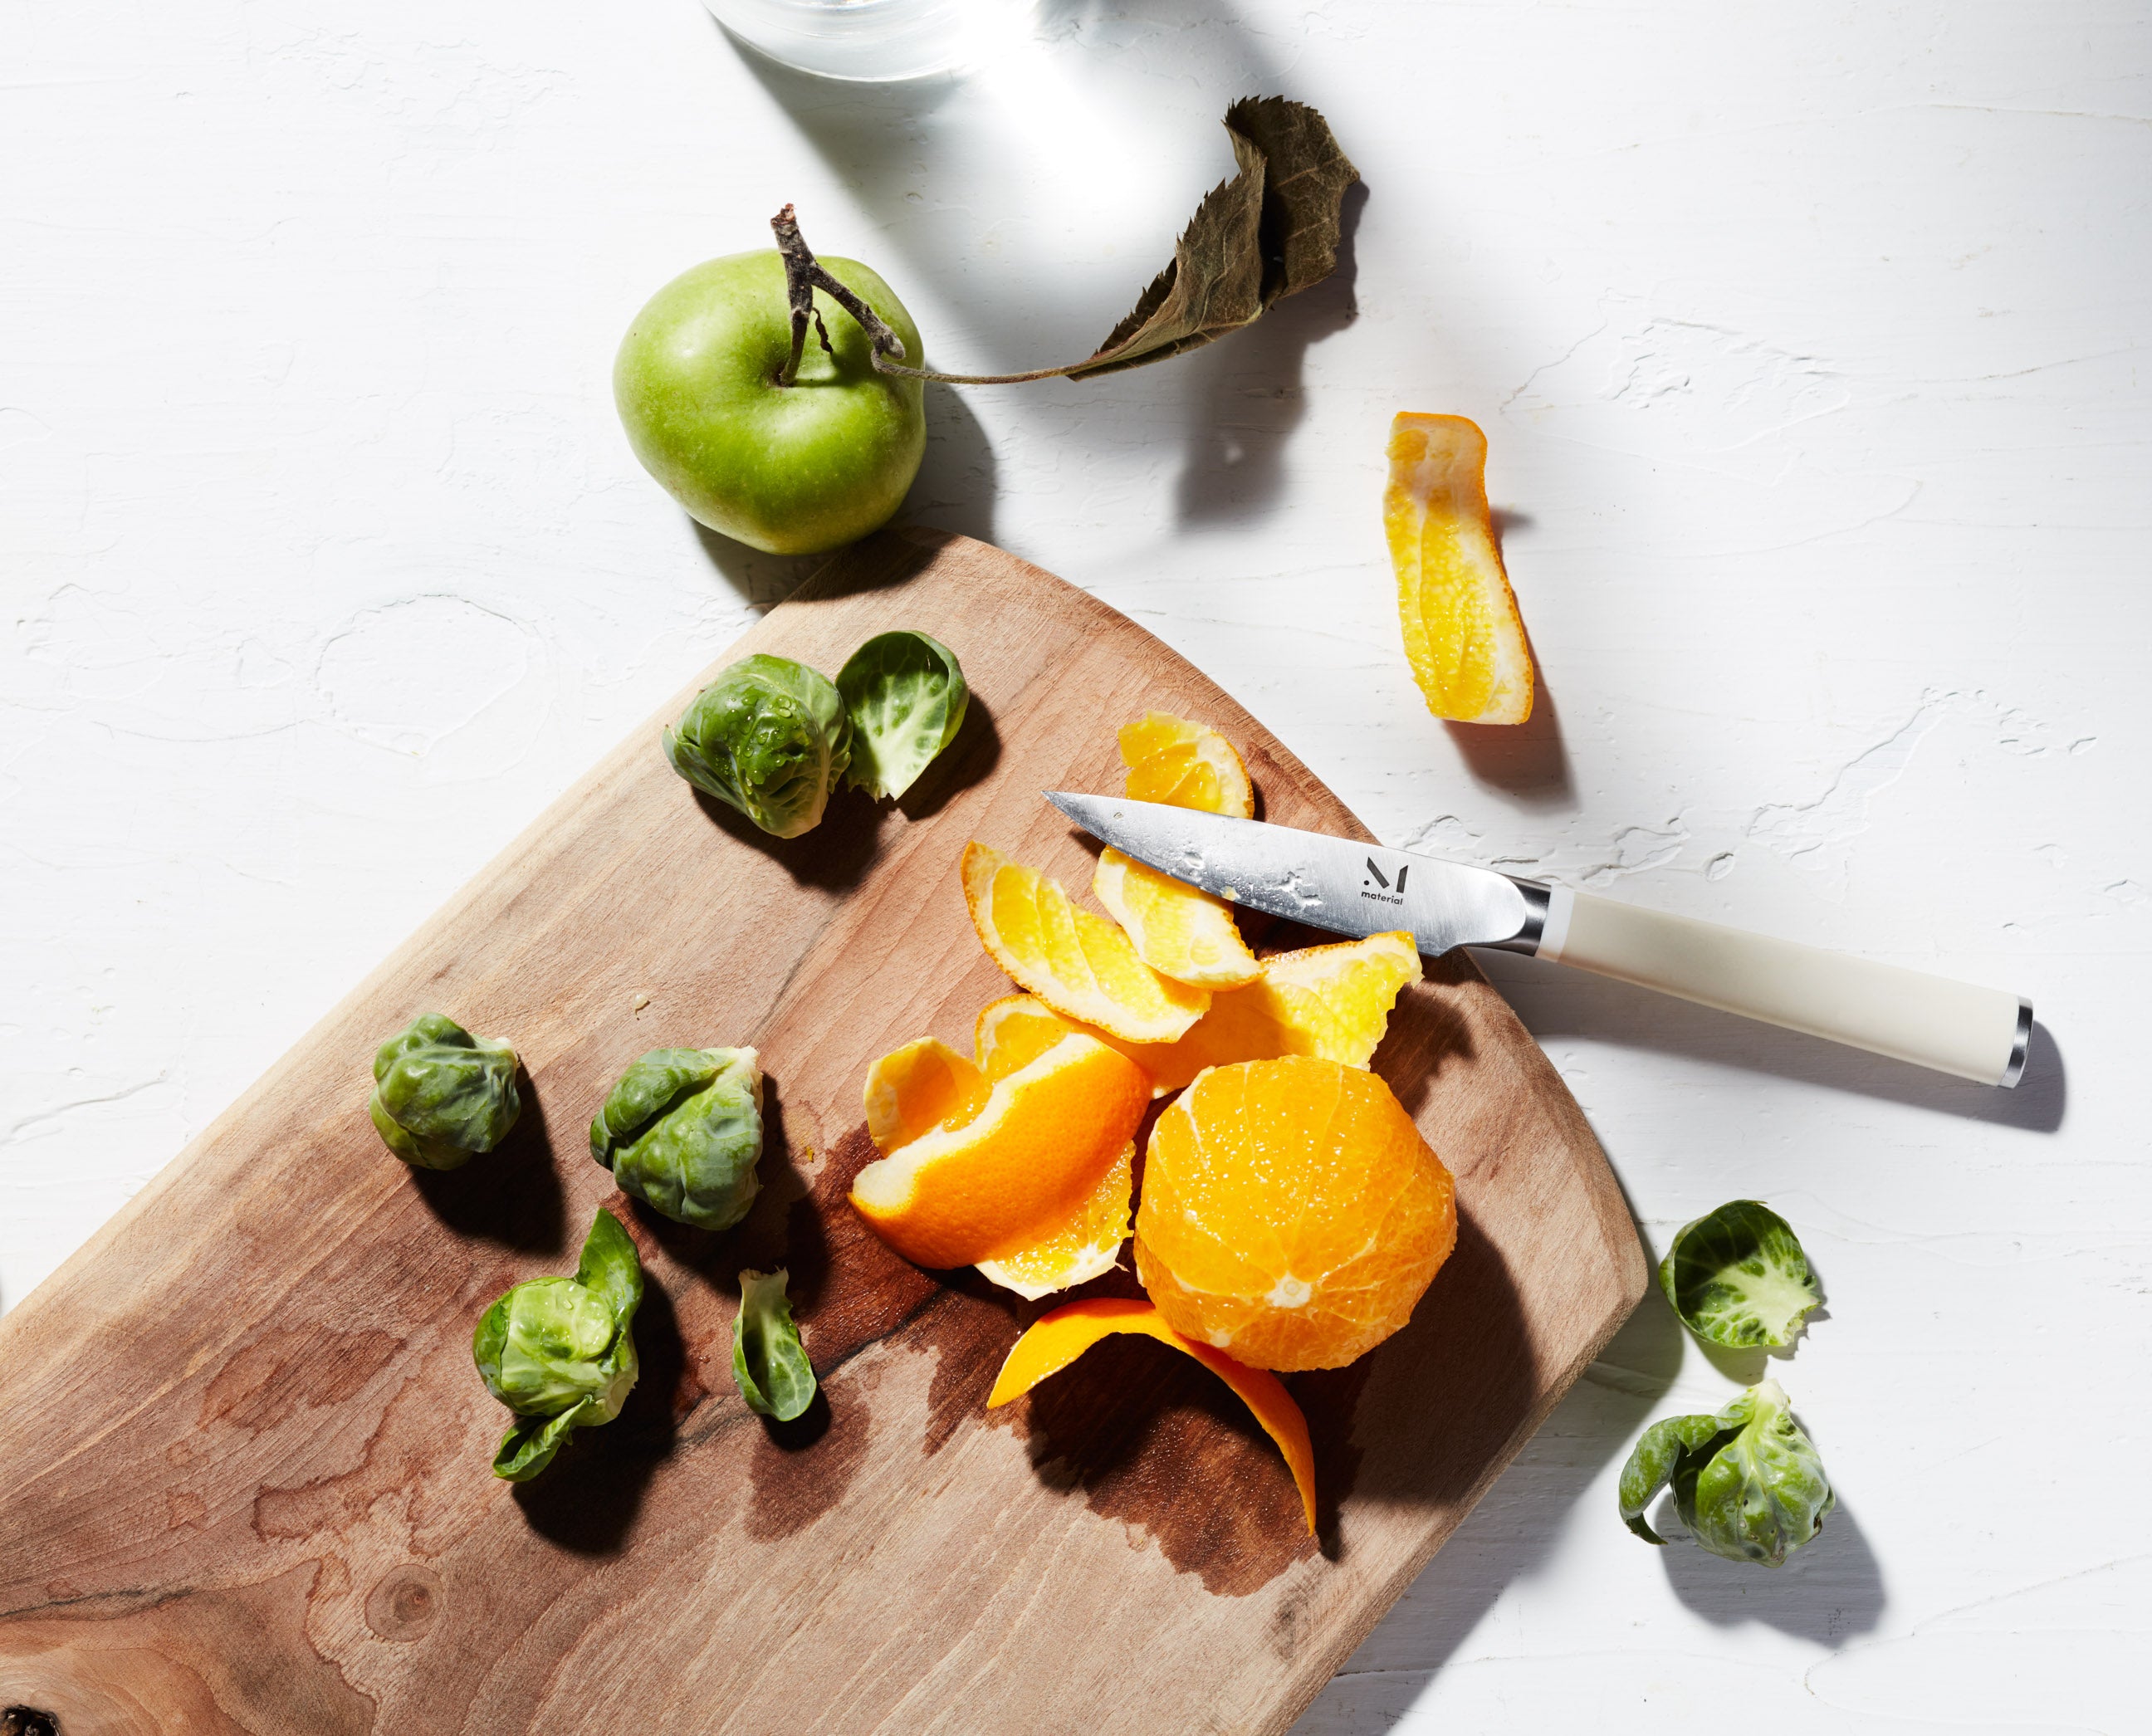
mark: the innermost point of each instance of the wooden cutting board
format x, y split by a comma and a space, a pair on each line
245, 1454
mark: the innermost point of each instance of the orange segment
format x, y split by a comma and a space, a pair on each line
1057, 1339
1332, 1001
1079, 964
1291, 1214
1463, 636
1185, 765
922, 1086
1086, 1246
1177, 930
1010, 1176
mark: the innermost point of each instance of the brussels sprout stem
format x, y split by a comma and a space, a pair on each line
803, 274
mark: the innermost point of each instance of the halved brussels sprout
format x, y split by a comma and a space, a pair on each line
1738, 1276
905, 697
1748, 1483
683, 1132
559, 1352
769, 1363
441, 1095
769, 737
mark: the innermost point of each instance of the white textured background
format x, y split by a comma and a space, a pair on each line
1811, 340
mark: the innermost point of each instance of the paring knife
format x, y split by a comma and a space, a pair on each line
1362, 889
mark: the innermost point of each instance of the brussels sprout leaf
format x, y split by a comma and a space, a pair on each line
610, 1269
1650, 1467
1738, 1276
1747, 1482
768, 1362
529, 1444
905, 697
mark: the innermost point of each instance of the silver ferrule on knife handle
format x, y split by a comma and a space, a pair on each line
1956, 1027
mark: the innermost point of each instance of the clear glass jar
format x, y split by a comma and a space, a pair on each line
874, 40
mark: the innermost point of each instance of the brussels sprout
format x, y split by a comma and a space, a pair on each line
768, 736
769, 1362
1738, 1276
560, 1353
905, 697
682, 1131
441, 1095
1747, 1482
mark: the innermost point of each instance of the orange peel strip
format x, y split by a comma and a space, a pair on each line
1056, 1340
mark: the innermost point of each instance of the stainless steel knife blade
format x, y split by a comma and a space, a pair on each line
1330, 883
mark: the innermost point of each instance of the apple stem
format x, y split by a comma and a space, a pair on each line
803, 274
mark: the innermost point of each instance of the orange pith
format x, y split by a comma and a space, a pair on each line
1292, 1213
1079, 964
1185, 764
988, 1167
1463, 635
922, 1086
1056, 1340
1179, 930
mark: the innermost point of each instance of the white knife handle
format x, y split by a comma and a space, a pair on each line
1977, 1033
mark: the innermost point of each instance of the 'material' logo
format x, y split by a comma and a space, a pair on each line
1388, 895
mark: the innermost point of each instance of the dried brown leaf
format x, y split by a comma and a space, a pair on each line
1270, 231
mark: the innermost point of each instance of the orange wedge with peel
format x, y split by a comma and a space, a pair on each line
1463, 636
1178, 931
1087, 1245
1079, 964
985, 1166
1293, 1215
1058, 1339
1332, 1001
1185, 766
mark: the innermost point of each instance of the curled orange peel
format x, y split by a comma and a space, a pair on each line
1056, 1340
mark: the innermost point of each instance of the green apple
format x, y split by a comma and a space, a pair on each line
792, 469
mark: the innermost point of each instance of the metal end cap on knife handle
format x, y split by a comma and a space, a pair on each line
2020, 1049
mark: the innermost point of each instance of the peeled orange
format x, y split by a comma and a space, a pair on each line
1463, 636
1291, 1214
1056, 1340
984, 1164
1079, 964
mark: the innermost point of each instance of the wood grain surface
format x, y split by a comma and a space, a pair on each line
245, 1454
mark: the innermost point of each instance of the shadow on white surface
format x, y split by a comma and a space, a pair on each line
1245, 395
1511, 1534
1557, 1003
762, 580
1828, 1592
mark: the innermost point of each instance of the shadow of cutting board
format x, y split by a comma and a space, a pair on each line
245, 1454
